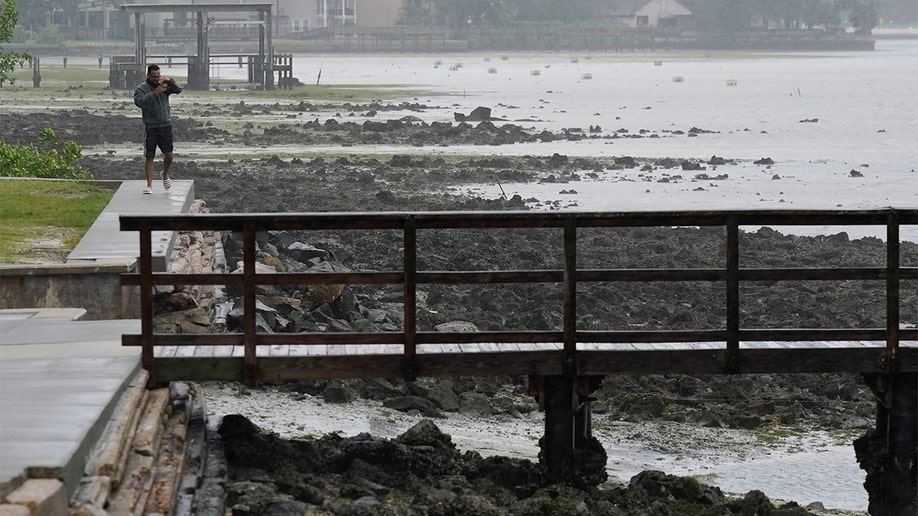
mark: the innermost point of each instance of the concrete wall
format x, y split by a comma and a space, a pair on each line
94, 286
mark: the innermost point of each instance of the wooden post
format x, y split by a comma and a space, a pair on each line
558, 444
265, 31
36, 72
570, 297
583, 421
250, 329
410, 266
892, 290
146, 298
140, 41
732, 295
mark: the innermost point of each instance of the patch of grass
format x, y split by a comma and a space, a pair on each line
845, 436
42, 220
312, 93
55, 76
774, 434
80, 76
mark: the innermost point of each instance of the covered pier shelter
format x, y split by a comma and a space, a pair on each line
127, 71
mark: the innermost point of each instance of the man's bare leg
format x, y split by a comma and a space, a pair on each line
167, 162
148, 169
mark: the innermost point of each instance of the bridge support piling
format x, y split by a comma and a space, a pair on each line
568, 445
889, 452
558, 442
583, 422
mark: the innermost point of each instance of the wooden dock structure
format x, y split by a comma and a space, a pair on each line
127, 71
564, 365
401, 38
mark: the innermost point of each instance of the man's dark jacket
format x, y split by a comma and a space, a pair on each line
155, 108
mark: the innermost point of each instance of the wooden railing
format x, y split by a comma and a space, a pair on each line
731, 357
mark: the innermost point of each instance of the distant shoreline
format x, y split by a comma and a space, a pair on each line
755, 42
905, 33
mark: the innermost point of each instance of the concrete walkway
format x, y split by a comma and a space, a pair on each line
60, 379
105, 239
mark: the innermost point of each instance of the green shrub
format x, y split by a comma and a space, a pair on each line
50, 34
58, 161
19, 35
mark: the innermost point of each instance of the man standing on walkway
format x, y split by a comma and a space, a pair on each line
152, 97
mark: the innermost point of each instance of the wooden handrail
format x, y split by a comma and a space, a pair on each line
518, 219
733, 275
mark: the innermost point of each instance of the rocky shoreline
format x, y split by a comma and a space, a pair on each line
422, 472
259, 480
265, 474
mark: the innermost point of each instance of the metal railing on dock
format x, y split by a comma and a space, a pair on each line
125, 73
568, 351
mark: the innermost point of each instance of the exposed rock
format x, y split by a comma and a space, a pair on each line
413, 403
444, 398
195, 320
339, 392
422, 472
477, 115
456, 326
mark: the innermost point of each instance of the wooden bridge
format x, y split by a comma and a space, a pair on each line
564, 365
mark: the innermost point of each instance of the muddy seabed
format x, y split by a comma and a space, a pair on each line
711, 428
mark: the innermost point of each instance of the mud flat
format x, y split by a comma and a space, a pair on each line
252, 154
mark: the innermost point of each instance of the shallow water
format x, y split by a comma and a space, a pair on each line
826, 475
865, 102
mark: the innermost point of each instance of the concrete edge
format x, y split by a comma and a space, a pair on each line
111, 184
108, 265
72, 473
70, 314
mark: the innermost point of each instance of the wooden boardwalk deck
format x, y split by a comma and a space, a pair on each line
328, 350
278, 362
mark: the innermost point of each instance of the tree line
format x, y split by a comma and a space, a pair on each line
50, 21
709, 15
